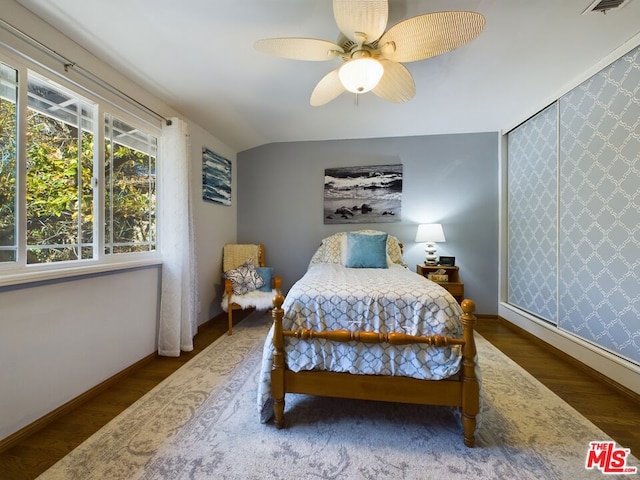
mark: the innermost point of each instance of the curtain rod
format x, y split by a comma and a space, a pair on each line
67, 63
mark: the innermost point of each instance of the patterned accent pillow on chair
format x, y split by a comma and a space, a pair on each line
244, 279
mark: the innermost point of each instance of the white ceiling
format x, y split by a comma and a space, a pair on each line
198, 56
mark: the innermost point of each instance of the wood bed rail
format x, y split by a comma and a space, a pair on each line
373, 337
468, 322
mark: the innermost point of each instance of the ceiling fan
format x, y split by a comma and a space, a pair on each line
372, 57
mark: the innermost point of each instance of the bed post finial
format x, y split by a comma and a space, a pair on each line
468, 306
278, 299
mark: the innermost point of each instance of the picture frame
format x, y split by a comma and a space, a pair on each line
363, 194
216, 178
447, 261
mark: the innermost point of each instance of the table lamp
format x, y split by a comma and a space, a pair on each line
430, 233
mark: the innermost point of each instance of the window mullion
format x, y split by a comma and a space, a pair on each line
21, 174
98, 185
80, 164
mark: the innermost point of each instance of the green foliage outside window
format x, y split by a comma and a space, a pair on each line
7, 179
130, 201
59, 191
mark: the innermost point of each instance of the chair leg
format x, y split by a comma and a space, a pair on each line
230, 316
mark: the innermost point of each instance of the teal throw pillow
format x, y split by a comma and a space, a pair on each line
366, 251
266, 273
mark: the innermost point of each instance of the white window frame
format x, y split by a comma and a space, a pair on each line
103, 187
19, 272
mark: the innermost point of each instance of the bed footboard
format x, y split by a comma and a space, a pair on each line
462, 390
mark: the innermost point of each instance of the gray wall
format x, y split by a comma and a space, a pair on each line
214, 225
448, 179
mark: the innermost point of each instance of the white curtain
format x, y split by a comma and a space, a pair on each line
178, 304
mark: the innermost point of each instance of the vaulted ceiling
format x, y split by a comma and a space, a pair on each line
198, 56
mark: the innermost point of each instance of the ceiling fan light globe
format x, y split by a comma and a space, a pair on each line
361, 74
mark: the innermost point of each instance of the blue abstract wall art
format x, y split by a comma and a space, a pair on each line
216, 178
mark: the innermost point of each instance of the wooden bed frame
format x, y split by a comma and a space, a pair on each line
462, 390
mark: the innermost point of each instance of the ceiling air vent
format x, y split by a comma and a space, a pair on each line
604, 5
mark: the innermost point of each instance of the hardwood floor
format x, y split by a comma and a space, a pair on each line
615, 413
32, 456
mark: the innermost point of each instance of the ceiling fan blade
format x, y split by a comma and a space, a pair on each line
299, 48
429, 35
397, 84
327, 89
357, 17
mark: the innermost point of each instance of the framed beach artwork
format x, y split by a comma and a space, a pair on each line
371, 194
216, 178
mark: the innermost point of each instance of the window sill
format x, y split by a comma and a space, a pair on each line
70, 272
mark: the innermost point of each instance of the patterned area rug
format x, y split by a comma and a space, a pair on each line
202, 423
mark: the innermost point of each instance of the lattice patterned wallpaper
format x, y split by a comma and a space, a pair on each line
598, 210
533, 215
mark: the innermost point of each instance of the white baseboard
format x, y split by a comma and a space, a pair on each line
617, 369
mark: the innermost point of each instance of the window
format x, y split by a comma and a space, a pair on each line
59, 174
68, 191
8, 162
130, 172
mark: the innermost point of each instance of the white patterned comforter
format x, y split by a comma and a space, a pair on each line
331, 297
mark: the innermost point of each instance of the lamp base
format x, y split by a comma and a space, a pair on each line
431, 254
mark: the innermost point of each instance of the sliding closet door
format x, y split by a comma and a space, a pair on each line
600, 209
533, 213
574, 211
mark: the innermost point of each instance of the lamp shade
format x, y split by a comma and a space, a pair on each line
430, 232
361, 74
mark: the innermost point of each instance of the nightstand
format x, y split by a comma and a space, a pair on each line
454, 286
